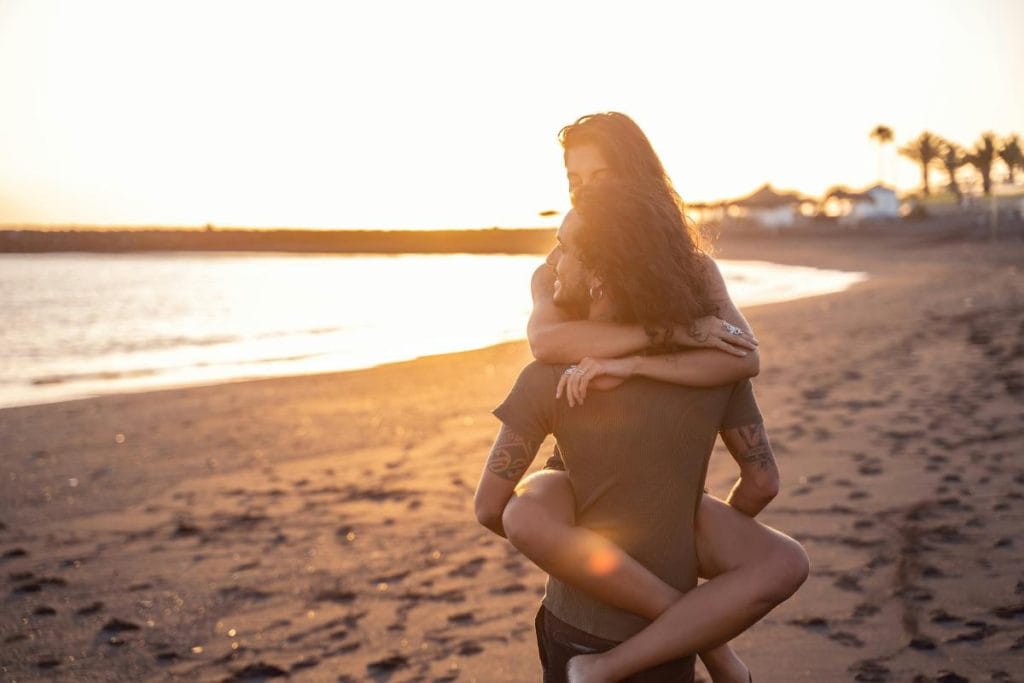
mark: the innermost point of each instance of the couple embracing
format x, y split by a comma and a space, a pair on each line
642, 362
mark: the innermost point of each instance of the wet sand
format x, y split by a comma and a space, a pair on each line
321, 527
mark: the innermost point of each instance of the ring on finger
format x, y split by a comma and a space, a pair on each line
731, 329
569, 370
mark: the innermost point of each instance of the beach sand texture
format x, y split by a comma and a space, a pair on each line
321, 528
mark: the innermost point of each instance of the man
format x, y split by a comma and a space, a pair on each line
636, 455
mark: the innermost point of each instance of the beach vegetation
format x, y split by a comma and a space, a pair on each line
953, 158
1012, 155
925, 150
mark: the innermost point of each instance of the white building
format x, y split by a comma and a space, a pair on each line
875, 203
767, 207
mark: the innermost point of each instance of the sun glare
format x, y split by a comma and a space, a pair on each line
396, 115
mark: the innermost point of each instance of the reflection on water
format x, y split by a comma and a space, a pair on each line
85, 324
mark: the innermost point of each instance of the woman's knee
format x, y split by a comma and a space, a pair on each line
522, 516
788, 565
542, 503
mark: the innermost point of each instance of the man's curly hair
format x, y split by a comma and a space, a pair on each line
633, 237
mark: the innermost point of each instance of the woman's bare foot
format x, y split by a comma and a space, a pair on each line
586, 669
724, 666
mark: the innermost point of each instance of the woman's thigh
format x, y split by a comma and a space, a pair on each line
547, 492
727, 539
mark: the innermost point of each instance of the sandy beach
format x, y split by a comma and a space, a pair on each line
320, 528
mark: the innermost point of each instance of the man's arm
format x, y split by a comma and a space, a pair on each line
510, 457
759, 475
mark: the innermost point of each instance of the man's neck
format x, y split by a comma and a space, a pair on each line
602, 310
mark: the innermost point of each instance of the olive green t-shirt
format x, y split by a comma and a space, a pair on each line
637, 457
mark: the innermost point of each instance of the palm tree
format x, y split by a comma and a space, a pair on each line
882, 135
925, 149
1012, 155
953, 158
981, 157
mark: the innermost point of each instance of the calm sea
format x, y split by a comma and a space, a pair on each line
75, 325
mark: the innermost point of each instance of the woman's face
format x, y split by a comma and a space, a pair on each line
584, 164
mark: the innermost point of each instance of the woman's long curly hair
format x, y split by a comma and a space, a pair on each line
629, 154
633, 238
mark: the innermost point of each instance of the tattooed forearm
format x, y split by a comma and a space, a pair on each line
757, 451
511, 455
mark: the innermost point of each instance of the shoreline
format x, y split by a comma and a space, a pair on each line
321, 525
110, 380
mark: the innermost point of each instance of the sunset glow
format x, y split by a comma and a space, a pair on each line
427, 115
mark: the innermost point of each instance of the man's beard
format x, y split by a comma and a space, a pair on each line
573, 298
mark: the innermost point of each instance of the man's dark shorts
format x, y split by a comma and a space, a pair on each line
558, 642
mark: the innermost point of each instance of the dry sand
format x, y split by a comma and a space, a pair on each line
321, 527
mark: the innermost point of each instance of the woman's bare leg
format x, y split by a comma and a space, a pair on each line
539, 522
754, 568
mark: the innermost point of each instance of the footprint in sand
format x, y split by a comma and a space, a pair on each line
306, 663
817, 624
469, 569
1009, 611
848, 582
846, 638
37, 586
256, 672
870, 671
922, 643
387, 666
119, 626
462, 618
981, 631
941, 616
865, 610
915, 594
871, 468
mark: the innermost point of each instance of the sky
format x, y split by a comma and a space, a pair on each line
444, 114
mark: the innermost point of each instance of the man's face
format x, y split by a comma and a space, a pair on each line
584, 164
572, 281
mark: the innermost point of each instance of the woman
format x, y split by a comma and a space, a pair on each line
752, 568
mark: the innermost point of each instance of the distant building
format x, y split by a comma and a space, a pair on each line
875, 203
767, 207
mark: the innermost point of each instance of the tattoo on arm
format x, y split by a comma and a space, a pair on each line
511, 455
758, 451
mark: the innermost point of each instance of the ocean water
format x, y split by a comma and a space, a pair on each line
77, 325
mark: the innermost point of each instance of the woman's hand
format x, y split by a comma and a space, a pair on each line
714, 333
576, 378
